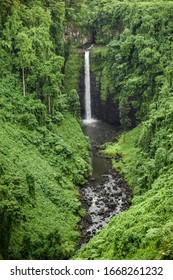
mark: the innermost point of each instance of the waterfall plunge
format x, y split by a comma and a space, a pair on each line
88, 118
87, 87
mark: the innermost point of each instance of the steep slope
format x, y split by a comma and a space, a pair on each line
43, 153
40, 167
137, 71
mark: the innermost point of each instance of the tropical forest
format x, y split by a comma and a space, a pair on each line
86, 130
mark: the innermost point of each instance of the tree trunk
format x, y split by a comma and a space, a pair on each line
23, 79
49, 105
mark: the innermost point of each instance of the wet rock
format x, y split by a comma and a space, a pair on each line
112, 206
92, 179
106, 200
102, 200
99, 227
101, 211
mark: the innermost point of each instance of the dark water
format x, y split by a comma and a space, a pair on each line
98, 133
107, 194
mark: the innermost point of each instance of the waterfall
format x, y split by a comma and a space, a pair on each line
87, 87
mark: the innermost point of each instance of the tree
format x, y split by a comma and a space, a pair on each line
25, 54
73, 101
51, 77
57, 10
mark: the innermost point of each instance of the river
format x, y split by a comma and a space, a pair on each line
106, 194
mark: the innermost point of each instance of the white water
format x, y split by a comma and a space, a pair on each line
87, 87
88, 118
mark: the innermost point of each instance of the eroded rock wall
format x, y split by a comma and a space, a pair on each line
107, 111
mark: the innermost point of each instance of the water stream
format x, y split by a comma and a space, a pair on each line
106, 194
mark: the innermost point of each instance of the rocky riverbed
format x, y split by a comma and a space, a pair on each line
106, 193
102, 201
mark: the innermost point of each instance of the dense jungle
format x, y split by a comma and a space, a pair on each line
45, 156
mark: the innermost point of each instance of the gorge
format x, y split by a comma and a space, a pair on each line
107, 194
45, 158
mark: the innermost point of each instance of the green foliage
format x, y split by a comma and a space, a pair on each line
43, 153
139, 73
57, 9
99, 69
143, 231
124, 110
73, 68
138, 56
73, 101
27, 34
38, 195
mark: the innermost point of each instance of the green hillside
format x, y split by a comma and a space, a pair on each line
44, 156
136, 70
43, 153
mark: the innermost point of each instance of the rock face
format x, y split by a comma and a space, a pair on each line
107, 111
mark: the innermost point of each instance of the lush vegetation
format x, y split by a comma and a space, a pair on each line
135, 47
43, 153
135, 42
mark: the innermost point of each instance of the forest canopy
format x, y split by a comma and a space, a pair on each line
41, 164
44, 156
